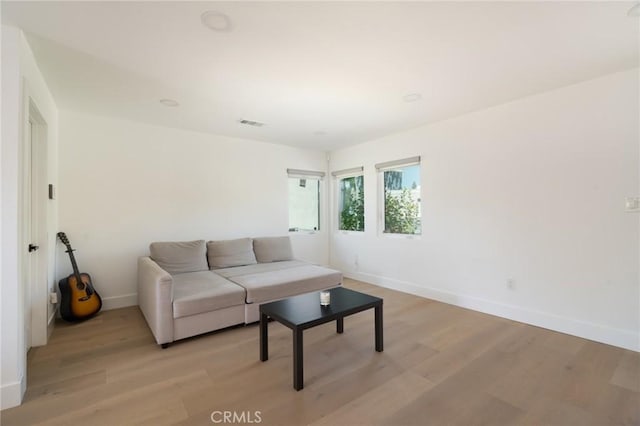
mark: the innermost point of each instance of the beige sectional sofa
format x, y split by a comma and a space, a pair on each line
190, 288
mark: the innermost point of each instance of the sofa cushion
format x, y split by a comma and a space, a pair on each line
272, 249
180, 257
224, 254
259, 268
271, 285
205, 291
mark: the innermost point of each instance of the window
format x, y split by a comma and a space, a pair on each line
350, 199
401, 196
304, 200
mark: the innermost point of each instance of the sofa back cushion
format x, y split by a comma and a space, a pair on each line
180, 256
272, 249
228, 253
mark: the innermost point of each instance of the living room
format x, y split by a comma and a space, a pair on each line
521, 117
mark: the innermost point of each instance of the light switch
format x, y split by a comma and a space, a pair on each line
632, 204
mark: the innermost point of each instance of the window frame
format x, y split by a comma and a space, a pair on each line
381, 168
308, 175
346, 174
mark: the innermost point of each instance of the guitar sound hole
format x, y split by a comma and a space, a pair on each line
81, 286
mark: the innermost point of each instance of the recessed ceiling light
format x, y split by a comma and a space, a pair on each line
216, 21
412, 97
634, 11
169, 102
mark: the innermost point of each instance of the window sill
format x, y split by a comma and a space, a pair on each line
342, 232
401, 236
304, 232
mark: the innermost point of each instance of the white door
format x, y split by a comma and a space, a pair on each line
34, 217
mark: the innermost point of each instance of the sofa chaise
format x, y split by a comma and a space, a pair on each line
190, 288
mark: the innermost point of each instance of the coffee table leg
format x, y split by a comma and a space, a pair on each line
298, 374
340, 325
264, 337
379, 332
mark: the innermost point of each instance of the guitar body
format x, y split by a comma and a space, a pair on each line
79, 300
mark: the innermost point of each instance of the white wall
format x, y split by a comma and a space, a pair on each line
124, 185
533, 191
13, 366
21, 82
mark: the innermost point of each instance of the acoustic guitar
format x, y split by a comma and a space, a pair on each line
79, 300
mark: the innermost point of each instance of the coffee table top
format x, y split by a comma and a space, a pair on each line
305, 311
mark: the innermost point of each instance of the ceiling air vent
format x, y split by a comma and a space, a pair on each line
251, 123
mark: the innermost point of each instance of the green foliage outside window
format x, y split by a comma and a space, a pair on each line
352, 201
401, 213
402, 200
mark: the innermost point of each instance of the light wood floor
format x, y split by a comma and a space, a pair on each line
442, 365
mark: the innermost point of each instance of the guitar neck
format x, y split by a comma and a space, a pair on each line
76, 271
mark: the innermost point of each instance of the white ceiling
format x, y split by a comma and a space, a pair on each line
341, 68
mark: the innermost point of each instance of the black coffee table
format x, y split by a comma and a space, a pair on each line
304, 311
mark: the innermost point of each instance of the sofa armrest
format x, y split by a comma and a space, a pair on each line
155, 297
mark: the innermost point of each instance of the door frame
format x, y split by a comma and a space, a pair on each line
35, 280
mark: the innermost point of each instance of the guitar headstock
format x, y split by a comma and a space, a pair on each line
64, 239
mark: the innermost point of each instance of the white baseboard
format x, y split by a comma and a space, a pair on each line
11, 394
600, 333
116, 302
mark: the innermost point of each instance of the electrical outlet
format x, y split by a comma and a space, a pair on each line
53, 298
511, 284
